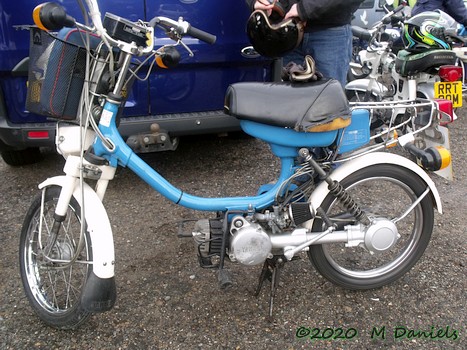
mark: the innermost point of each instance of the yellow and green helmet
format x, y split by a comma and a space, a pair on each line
426, 31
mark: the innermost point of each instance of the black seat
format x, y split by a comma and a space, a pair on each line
316, 106
408, 63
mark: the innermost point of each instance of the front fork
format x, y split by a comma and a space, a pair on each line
99, 292
74, 170
59, 216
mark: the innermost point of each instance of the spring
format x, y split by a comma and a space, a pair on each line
344, 197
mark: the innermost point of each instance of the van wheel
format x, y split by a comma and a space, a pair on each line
21, 157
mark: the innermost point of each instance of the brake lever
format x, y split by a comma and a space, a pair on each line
175, 36
185, 46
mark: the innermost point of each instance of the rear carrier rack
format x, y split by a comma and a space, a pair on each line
415, 125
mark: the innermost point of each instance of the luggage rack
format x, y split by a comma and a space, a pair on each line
406, 121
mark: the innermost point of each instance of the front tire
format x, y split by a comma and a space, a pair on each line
381, 191
52, 284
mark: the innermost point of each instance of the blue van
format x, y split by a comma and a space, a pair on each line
185, 100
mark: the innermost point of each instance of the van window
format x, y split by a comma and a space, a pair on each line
367, 4
382, 3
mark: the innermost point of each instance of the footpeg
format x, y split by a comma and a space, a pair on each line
224, 278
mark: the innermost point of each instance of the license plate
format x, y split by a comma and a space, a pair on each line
449, 91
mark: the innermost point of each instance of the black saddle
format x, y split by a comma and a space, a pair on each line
408, 63
299, 106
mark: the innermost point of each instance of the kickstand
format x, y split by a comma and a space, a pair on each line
271, 271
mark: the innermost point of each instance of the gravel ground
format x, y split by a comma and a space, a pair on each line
166, 301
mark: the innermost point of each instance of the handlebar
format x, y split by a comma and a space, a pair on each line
201, 35
52, 16
371, 35
182, 27
361, 33
387, 18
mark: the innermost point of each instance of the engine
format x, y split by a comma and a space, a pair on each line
249, 237
249, 243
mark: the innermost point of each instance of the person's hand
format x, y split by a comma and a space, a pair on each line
293, 12
265, 5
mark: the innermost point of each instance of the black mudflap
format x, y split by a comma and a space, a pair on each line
99, 294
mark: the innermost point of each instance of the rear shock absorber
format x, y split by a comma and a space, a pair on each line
336, 189
344, 197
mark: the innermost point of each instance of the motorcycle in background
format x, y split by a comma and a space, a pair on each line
460, 48
360, 41
417, 71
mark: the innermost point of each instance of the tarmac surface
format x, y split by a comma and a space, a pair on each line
166, 301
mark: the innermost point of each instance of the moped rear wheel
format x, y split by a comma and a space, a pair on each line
382, 191
52, 280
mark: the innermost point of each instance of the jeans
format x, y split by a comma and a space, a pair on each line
331, 49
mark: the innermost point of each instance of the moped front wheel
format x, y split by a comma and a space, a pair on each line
382, 191
54, 267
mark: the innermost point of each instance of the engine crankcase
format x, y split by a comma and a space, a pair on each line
249, 243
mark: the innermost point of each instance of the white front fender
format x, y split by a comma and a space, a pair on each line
98, 225
363, 85
350, 167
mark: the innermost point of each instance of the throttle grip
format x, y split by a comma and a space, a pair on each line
201, 35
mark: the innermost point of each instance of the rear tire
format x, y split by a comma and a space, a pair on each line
381, 191
53, 288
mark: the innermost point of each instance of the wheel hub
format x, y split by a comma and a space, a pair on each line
381, 235
63, 251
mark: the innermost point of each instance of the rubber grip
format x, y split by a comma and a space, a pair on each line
361, 33
201, 35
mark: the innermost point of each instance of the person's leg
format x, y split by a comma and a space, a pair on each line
299, 53
330, 48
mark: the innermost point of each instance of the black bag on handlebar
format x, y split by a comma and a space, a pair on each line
56, 76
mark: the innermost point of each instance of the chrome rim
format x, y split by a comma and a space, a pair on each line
379, 197
55, 284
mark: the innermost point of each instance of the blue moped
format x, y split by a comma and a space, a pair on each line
363, 215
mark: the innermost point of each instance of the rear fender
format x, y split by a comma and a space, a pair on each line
350, 167
426, 90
